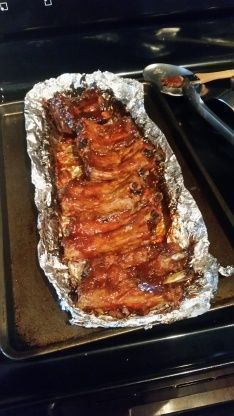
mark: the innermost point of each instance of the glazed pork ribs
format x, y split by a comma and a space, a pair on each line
113, 208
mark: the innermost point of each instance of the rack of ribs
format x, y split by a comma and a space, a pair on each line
114, 208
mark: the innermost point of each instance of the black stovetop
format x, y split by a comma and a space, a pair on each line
129, 365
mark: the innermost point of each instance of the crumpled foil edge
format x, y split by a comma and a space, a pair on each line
188, 222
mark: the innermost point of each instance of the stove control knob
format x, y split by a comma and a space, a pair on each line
4, 6
48, 3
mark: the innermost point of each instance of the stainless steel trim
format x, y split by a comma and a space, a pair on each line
194, 401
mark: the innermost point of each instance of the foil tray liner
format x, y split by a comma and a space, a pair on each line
187, 222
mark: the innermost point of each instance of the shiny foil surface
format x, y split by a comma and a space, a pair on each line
187, 220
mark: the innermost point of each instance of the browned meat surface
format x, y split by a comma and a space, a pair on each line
66, 110
113, 207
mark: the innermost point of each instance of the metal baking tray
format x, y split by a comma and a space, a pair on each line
31, 321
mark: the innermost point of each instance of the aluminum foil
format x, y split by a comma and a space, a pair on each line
187, 223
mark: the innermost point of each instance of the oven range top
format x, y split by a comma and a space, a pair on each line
124, 372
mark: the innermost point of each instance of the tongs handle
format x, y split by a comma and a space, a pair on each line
216, 122
212, 76
206, 113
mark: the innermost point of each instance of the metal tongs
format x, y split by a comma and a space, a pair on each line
176, 80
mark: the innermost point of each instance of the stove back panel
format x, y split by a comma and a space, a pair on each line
24, 15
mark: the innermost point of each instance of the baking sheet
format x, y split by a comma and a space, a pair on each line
31, 321
187, 223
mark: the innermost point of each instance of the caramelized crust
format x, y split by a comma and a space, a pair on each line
113, 208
